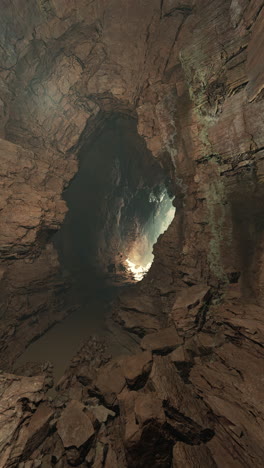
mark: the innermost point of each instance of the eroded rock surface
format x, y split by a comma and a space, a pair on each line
20, 433
192, 73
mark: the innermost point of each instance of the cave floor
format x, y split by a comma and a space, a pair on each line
61, 342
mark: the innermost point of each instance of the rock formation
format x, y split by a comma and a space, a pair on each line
191, 72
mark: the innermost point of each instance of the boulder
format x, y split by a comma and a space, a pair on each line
137, 322
74, 426
138, 313
101, 413
148, 407
162, 341
137, 368
191, 296
186, 414
189, 301
132, 300
144, 430
110, 381
178, 355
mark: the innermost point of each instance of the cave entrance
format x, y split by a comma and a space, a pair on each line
119, 203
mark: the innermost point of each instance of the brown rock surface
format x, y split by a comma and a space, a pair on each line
74, 426
192, 73
162, 341
20, 436
37, 430
147, 408
137, 368
137, 313
110, 381
191, 456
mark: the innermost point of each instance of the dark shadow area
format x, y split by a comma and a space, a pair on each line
113, 197
248, 228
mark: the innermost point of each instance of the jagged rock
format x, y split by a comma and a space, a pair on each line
85, 375
182, 358
185, 412
110, 381
149, 417
192, 456
154, 419
189, 302
102, 413
37, 430
137, 323
145, 438
226, 385
55, 452
162, 341
137, 313
82, 370
148, 407
131, 300
20, 435
137, 368
191, 297
178, 355
60, 400
74, 426
131, 433
191, 73
209, 341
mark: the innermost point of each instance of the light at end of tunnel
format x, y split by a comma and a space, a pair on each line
138, 271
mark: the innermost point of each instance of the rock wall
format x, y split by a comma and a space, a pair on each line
193, 73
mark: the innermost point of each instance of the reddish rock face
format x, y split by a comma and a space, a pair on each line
192, 74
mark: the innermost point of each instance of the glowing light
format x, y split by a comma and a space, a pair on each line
138, 271
140, 255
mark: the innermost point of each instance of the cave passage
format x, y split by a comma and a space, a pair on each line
118, 206
119, 203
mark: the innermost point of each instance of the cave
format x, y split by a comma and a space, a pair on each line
131, 233
119, 204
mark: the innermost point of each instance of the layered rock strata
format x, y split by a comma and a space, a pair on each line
192, 71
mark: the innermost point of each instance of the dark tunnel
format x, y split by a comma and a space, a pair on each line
118, 205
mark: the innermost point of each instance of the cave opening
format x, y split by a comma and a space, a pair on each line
159, 369
119, 202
